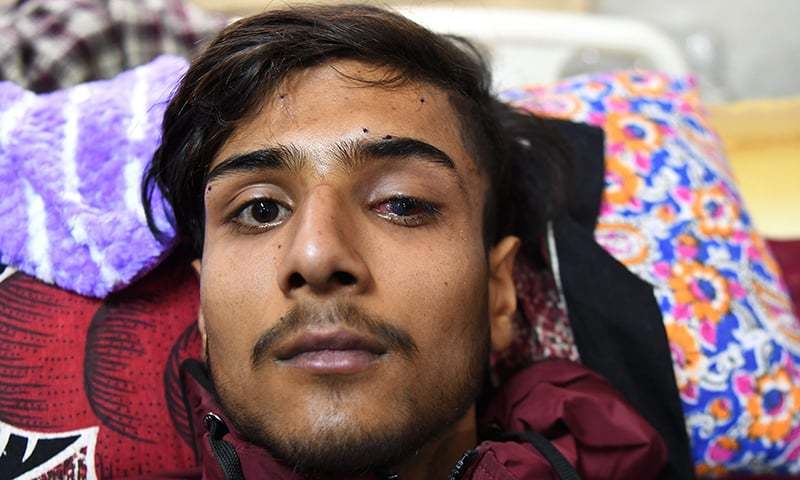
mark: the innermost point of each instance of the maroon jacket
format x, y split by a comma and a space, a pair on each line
587, 422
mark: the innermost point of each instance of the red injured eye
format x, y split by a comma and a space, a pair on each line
406, 211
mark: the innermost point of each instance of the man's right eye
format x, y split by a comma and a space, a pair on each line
261, 214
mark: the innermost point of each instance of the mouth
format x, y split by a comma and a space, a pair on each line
337, 352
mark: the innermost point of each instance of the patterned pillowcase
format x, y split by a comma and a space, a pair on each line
672, 214
90, 387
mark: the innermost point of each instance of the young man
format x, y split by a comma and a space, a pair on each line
356, 197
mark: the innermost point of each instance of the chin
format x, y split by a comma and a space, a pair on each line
347, 411
333, 439
335, 432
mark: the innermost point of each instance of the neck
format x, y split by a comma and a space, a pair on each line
437, 458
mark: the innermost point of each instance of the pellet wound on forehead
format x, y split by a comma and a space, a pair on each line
387, 137
365, 130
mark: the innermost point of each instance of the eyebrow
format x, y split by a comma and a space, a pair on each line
349, 153
269, 158
404, 148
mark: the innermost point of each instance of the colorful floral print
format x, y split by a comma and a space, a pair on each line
686, 357
672, 214
716, 214
701, 289
772, 406
622, 183
632, 132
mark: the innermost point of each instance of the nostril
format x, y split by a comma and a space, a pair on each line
296, 280
344, 278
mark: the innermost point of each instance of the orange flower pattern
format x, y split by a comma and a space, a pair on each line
686, 356
636, 132
622, 183
773, 406
702, 288
716, 212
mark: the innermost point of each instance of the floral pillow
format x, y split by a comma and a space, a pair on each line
672, 214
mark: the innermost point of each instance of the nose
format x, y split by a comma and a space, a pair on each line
323, 255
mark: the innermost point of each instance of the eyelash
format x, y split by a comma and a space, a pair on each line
428, 214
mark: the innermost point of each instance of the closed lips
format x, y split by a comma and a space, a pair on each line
339, 340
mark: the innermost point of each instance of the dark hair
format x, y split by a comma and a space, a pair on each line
522, 158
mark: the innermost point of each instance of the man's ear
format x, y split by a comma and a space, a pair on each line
201, 321
502, 292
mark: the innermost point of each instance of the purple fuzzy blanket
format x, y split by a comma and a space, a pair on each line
71, 163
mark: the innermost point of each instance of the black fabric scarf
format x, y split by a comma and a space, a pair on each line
615, 319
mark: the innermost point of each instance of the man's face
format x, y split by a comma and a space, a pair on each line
345, 285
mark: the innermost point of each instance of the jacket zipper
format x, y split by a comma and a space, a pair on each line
462, 465
224, 451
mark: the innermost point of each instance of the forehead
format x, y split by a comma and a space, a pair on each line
323, 106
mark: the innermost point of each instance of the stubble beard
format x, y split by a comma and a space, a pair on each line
336, 446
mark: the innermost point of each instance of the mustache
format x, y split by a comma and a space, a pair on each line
345, 314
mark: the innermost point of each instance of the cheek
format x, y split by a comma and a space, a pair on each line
451, 328
439, 293
237, 299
